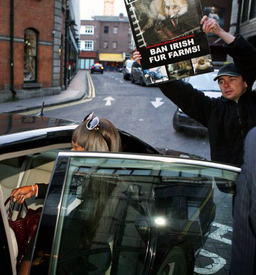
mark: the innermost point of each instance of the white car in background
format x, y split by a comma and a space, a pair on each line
206, 84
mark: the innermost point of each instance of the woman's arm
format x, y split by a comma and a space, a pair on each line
26, 192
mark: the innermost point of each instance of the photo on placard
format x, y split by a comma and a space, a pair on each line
155, 75
202, 64
161, 20
180, 69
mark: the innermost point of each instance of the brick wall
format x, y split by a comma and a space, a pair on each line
35, 14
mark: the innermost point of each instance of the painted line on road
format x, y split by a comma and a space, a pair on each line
91, 95
218, 263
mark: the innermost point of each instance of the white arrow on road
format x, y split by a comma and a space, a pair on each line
108, 100
158, 102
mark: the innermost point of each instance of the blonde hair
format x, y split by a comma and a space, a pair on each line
106, 138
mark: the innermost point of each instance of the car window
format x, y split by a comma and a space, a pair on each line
204, 82
117, 212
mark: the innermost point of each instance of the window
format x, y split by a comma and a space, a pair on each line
87, 45
249, 10
105, 44
106, 29
245, 11
114, 45
115, 30
30, 55
125, 203
87, 29
253, 10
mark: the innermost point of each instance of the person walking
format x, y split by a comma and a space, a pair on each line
230, 117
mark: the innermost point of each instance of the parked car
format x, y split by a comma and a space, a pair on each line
204, 83
97, 68
145, 213
127, 69
137, 75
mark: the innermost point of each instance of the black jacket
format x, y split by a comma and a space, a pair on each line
243, 252
228, 122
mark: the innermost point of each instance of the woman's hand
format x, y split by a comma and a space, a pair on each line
22, 193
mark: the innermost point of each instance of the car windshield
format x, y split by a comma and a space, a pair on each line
204, 82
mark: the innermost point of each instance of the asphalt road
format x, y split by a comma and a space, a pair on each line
146, 113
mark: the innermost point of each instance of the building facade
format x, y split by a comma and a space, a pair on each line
38, 47
105, 39
243, 19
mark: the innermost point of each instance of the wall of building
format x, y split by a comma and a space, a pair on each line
48, 19
27, 14
123, 39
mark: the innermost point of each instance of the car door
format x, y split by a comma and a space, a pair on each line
114, 213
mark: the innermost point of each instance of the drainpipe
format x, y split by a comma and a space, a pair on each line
11, 49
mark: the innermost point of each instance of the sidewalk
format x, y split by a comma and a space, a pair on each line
75, 91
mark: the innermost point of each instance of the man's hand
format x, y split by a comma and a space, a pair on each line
210, 25
22, 193
137, 56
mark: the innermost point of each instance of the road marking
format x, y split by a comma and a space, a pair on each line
158, 102
222, 230
218, 263
91, 95
108, 100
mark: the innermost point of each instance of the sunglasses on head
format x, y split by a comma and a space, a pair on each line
92, 122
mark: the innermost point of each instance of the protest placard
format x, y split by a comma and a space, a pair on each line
170, 39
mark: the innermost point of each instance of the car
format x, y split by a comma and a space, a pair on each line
206, 84
97, 68
137, 75
127, 69
148, 211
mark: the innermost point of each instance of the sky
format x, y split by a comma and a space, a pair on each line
90, 8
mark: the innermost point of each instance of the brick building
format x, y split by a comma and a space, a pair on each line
38, 47
105, 39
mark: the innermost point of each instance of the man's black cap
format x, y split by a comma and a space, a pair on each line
229, 69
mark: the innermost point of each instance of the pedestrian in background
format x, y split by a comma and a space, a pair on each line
243, 253
230, 117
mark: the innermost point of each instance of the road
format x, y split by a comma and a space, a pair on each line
146, 113
142, 111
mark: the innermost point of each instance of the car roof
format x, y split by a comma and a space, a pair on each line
21, 132
12, 123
